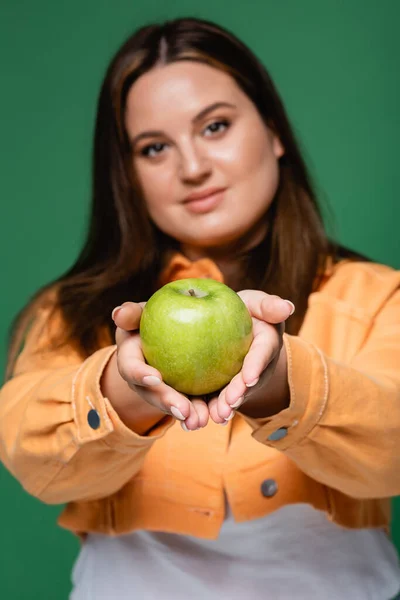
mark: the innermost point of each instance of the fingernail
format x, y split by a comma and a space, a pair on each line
184, 426
252, 383
151, 380
114, 312
224, 423
177, 413
230, 416
292, 306
238, 402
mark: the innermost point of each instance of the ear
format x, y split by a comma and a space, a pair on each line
277, 146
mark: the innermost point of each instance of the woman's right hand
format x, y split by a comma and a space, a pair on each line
144, 379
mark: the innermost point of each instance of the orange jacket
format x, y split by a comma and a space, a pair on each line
338, 446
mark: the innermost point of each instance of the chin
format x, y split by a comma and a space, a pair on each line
224, 236
212, 240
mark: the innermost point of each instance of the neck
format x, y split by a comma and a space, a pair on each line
230, 257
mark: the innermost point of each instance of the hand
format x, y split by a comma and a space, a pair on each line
147, 381
262, 381
268, 314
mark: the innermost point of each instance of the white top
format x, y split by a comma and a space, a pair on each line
293, 553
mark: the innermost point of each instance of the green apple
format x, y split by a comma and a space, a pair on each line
196, 332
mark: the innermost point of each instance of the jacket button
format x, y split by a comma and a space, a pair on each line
277, 435
93, 419
269, 487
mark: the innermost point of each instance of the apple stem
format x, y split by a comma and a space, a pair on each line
192, 292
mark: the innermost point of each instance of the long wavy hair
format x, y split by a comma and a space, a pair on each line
124, 251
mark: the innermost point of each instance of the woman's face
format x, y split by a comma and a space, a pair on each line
194, 131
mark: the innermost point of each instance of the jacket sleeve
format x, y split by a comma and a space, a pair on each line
47, 437
342, 427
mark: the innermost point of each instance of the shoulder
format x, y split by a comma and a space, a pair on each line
41, 315
352, 273
362, 284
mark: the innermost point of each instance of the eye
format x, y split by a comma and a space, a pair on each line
217, 127
152, 150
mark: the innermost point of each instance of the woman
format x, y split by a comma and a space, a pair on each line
197, 173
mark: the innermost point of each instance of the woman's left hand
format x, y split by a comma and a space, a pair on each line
262, 381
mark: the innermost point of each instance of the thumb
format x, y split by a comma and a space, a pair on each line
265, 307
127, 316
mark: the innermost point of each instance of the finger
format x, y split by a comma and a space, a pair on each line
262, 352
224, 411
202, 412
235, 391
121, 335
167, 400
192, 422
127, 316
131, 363
213, 410
271, 309
147, 381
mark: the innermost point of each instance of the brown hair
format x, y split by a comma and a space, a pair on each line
124, 251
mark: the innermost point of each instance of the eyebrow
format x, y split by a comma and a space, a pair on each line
195, 120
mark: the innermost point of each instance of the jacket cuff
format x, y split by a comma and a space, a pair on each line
309, 388
94, 415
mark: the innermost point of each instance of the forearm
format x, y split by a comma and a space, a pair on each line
342, 425
48, 443
133, 411
271, 398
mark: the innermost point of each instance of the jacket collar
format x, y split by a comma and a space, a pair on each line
180, 267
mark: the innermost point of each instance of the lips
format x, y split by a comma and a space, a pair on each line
201, 195
207, 201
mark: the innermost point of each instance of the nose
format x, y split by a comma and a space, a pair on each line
194, 164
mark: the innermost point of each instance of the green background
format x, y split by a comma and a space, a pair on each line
336, 66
